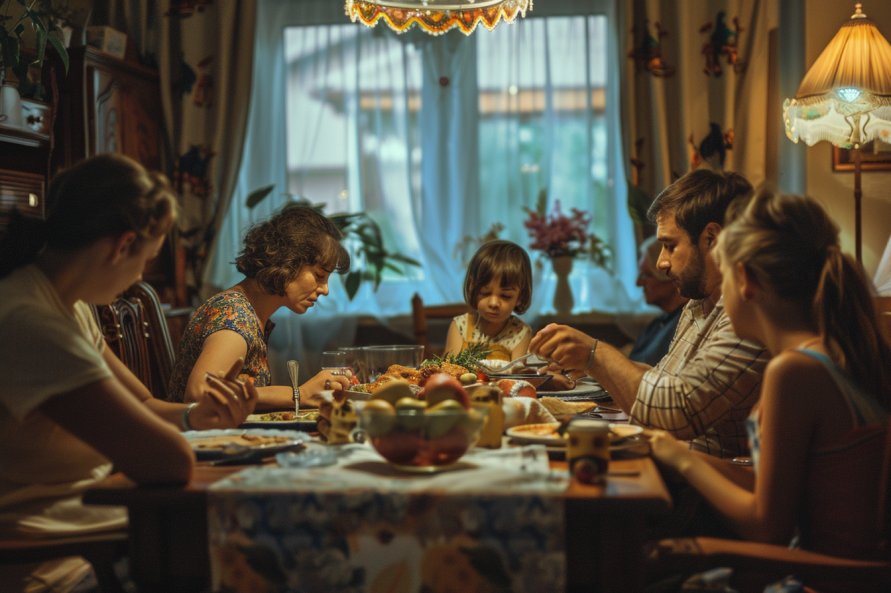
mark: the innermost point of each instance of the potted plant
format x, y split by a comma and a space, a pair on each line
13, 22
359, 230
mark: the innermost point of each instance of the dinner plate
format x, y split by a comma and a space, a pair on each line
543, 434
581, 392
290, 439
305, 420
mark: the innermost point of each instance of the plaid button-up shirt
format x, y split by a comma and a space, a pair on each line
703, 390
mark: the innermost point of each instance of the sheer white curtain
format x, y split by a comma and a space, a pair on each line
436, 138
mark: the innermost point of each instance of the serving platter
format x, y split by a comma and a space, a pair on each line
622, 436
303, 421
581, 392
210, 445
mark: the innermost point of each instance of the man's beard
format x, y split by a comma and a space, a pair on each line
691, 281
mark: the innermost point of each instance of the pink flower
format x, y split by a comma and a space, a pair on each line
557, 234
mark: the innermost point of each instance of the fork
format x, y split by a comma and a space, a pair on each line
506, 367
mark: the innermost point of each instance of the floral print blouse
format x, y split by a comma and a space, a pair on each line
227, 310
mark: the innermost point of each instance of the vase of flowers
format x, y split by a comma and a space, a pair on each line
563, 300
563, 239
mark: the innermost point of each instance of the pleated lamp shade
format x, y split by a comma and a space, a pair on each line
845, 97
436, 16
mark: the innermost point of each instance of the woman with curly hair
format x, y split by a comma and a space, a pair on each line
286, 262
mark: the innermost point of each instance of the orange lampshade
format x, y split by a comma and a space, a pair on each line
436, 16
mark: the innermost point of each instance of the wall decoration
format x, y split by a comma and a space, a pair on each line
647, 51
874, 156
723, 41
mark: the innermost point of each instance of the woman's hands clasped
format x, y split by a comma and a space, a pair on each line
226, 402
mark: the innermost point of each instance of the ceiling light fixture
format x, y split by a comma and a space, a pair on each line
436, 16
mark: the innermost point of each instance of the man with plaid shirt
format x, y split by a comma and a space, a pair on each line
703, 389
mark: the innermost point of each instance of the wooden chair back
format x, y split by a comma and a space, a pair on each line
420, 315
883, 311
758, 564
135, 329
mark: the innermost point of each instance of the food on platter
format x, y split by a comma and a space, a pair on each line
301, 416
560, 408
546, 433
244, 440
511, 388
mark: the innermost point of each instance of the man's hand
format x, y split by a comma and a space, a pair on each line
563, 348
226, 402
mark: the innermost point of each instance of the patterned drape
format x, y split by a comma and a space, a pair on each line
696, 90
204, 50
206, 56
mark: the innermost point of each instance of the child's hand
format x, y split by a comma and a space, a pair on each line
667, 449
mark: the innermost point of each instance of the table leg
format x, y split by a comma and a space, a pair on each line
168, 550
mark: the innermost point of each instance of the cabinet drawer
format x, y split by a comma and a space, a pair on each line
24, 191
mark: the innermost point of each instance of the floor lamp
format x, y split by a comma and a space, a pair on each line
845, 97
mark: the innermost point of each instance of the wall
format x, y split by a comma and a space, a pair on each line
836, 190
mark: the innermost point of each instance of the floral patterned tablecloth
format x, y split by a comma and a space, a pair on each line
495, 524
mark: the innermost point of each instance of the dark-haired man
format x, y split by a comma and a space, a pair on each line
703, 389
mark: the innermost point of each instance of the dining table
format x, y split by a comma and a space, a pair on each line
603, 525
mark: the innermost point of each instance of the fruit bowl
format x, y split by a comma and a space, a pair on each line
421, 440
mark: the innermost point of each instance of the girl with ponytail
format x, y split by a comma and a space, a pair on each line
817, 435
70, 410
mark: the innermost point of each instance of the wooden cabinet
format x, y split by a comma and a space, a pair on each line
108, 105
112, 105
24, 163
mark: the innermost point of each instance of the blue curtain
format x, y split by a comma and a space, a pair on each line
437, 138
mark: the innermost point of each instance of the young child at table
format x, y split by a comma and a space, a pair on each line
817, 435
69, 409
498, 284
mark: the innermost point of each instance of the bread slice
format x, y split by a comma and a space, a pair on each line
558, 407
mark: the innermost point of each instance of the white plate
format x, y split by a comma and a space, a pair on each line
292, 437
581, 389
543, 434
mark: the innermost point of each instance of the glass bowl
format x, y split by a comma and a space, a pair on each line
379, 358
422, 440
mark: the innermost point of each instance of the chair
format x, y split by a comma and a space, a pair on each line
756, 565
101, 550
883, 311
135, 329
420, 314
